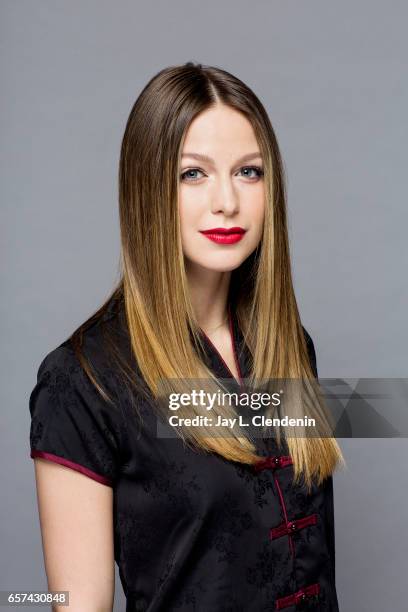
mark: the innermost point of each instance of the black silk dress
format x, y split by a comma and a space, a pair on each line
193, 532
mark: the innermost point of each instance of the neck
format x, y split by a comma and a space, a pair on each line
208, 295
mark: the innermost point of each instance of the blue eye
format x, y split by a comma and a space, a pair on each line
188, 172
257, 169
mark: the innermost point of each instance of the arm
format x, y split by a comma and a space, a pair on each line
76, 520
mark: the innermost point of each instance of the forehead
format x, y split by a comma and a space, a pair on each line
219, 129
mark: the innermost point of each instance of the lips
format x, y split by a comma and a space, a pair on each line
224, 235
224, 230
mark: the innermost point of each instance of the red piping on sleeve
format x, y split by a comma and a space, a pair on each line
74, 466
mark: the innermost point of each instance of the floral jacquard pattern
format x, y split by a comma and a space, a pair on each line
192, 530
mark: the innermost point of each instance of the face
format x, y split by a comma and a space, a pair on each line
221, 187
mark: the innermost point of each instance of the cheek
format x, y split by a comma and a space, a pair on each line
189, 223
192, 207
255, 206
257, 217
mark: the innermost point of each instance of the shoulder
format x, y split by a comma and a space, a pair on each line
98, 337
71, 421
65, 376
60, 359
311, 351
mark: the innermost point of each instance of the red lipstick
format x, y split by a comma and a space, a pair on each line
224, 235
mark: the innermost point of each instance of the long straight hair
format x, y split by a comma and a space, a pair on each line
163, 330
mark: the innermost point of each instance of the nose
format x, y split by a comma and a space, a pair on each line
224, 197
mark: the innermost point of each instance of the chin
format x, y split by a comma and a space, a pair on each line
221, 263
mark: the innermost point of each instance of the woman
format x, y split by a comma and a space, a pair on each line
195, 521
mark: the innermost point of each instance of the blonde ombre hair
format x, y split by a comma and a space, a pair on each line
164, 333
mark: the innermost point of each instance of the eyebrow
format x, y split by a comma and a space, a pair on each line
206, 158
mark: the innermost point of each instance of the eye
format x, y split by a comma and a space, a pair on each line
186, 175
257, 169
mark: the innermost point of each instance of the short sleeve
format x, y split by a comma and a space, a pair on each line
71, 424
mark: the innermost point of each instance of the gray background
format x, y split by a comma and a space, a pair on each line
333, 79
